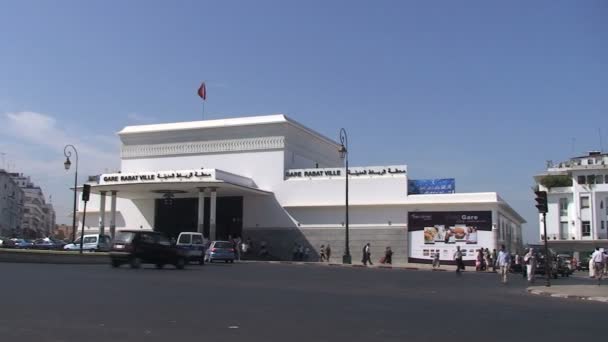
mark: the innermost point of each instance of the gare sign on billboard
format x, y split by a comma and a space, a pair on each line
440, 232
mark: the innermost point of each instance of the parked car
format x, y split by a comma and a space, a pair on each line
193, 244
220, 250
136, 247
18, 243
564, 265
49, 244
92, 243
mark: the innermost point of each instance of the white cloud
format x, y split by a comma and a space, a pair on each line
34, 144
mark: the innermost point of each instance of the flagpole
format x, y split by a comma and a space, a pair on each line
203, 109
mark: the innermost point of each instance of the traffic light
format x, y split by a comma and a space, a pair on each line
86, 190
541, 201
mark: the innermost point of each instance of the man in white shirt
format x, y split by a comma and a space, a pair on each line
598, 258
504, 263
530, 261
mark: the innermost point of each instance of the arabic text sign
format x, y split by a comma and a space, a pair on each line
371, 171
431, 186
158, 177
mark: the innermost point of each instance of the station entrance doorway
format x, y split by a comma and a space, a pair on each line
181, 215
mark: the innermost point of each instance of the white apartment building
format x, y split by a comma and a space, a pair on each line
272, 179
577, 191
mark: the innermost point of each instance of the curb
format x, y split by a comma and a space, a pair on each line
563, 295
41, 257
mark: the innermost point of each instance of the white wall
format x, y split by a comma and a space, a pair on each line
264, 167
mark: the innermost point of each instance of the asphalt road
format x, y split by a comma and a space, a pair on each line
269, 302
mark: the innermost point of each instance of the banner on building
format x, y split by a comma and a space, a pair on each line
431, 186
441, 232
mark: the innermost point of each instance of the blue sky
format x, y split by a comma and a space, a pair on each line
481, 91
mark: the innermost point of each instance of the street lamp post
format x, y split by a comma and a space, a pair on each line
346, 258
67, 165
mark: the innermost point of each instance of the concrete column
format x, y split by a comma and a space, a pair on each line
102, 212
113, 214
212, 214
201, 210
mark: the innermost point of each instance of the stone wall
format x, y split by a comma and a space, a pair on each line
280, 242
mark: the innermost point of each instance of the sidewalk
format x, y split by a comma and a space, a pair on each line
397, 266
589, 291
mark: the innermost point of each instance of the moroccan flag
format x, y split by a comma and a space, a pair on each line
202, 91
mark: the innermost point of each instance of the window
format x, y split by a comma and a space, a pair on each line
90, 239
563, 230
584, 202
563, 207
580, 180
599, 179
163, 240
602, 224
184, 239
586, 228
606, 179
591, 179
147, 238
197, 239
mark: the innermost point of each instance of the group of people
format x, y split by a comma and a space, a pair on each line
484, 260
367, 255
324, 253
598, 264
246, 247
300, 253
502, 260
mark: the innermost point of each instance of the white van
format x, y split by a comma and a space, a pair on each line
194, 244
92, 243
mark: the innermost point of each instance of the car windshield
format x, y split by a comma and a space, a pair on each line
197, 240
124, 237
222, 244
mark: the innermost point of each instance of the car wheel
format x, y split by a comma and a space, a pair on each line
201, 261
226, 261
115, 264
135, 262
181, 263
232, 261
159, 266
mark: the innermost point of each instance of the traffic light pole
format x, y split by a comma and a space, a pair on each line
84, 217
547, 262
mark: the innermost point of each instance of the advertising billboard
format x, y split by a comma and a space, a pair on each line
431, 186
440, 232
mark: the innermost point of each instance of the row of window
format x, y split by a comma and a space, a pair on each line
592, 179
585, 204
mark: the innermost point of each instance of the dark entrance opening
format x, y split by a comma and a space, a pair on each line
181, 215
178, 215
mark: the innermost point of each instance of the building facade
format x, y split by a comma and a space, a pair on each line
577, 196
38, 218
276, 181
11, 205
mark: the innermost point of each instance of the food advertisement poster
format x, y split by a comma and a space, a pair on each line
440, 232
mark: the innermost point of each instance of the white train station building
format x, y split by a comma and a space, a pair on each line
271, 179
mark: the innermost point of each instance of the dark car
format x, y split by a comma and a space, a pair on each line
48, 244
136, 247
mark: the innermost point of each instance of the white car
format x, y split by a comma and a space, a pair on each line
194, 245
92, 243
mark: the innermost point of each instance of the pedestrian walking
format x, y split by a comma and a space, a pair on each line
367, 255
388, 256
327, 252
306, 254
503, 261
486, 259
530, 261
436, 260
322, 253
458, 259
300, 252
494, 258
599, 259
479, 261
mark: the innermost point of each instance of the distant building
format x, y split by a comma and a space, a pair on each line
38, 217
62, 231
577, 191
11, 205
